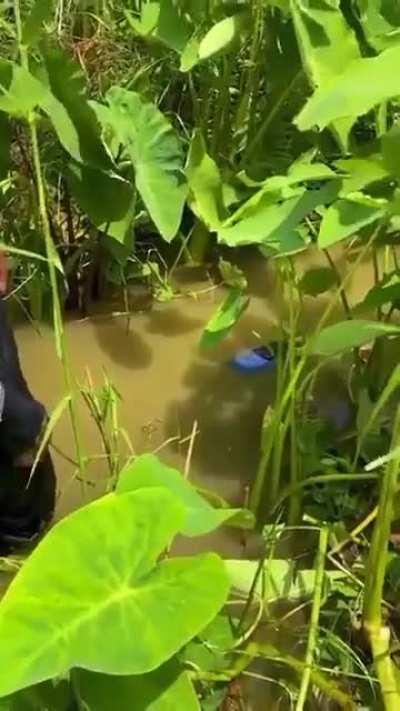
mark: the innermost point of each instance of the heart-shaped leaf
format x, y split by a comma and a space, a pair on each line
156, 155
93, 595
202, 518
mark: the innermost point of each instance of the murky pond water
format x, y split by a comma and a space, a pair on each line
166, 382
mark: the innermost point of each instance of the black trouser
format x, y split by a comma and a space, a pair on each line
25, 502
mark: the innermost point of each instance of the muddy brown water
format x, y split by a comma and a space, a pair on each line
166, 383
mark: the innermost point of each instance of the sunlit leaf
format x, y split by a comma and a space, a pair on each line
379, 31
361, 172
202, 518
166, 689
350, 334
225, 318
190, 55
221, 37
121, 612
327, 45
156, 155
344, 218
375, 80
205, 184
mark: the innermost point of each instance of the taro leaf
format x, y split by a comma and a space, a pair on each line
363, 84
344, 218
74, 120
327, 45
109, 201
156, 155
391, 150
221, 37
41, 12
385, 292
202, 518
345, 335
110, 607
275, 225
282, 580
165, 689
5, 145
225, 318
205, 184
317, 281
361, 172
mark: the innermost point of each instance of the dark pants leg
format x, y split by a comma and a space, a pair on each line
25, 502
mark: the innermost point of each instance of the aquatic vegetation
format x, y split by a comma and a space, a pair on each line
137, 137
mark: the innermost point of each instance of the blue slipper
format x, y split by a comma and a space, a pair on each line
253, 360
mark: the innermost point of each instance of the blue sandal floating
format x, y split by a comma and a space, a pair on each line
254, 360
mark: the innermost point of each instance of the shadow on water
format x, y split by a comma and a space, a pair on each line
171, 322
228, 407
123, 345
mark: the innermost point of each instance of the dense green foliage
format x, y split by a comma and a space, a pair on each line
188, 129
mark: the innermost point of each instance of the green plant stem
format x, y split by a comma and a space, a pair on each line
51, 254
282, 403
314, 621
379, 635
343, 297
295, 499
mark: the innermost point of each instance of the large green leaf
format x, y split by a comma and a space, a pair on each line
350, 334
344, 218
327, 45
166, 689
109, 201
156, 155
73, 118
318, 280
93, 595
40, 14
48, 696
205, 184
224, 319
202, 518
361, 172
276, 224
391, 150
362, 85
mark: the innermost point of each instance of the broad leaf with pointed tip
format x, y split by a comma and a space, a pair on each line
344, 218
92, 594
154, 149
376, 80
149, 471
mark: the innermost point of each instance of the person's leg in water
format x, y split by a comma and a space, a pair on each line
26, 502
